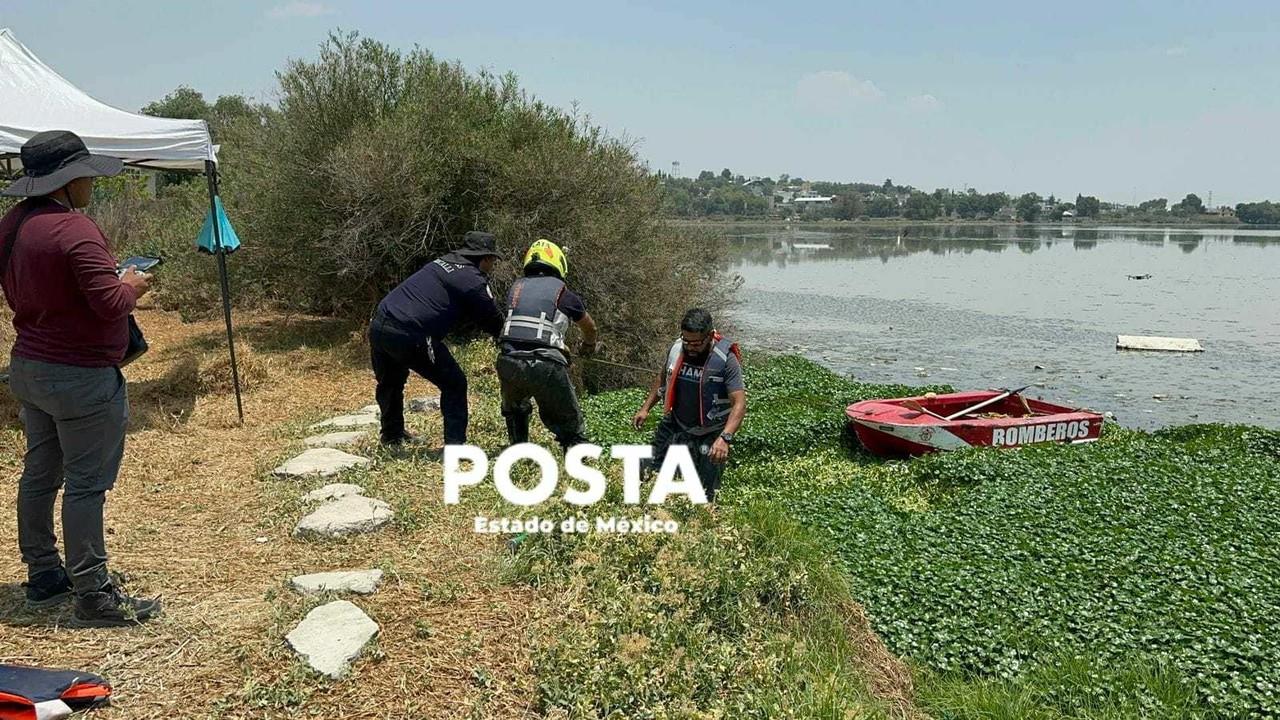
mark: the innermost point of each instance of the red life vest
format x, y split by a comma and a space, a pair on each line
713, 397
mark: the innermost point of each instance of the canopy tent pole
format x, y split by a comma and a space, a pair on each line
211, 174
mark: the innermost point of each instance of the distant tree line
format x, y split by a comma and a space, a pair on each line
728, 194
1259, 213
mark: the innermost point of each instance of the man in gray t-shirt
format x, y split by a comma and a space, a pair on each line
704, 399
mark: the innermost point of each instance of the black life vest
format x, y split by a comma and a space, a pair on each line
533, 314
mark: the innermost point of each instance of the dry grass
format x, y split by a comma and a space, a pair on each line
889, 679
195, 519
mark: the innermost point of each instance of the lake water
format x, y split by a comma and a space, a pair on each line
1007, 306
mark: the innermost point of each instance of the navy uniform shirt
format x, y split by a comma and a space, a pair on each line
445, 291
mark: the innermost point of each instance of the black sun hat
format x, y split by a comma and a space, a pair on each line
478, 244
54, 158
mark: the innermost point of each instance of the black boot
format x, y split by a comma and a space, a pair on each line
48, 588
404, 438
517, 428
111, 608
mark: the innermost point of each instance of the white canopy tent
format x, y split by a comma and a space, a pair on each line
34, 98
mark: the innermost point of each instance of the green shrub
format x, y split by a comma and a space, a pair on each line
379, 161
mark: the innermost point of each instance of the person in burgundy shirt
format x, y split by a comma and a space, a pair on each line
70, 313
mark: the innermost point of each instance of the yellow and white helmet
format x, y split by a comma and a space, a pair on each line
547, 254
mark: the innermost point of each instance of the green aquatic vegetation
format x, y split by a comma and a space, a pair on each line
1135, 577
1143, 550
794, 406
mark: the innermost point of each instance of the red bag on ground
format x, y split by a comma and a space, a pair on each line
29, 693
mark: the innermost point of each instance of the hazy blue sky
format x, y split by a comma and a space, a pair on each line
1119, 99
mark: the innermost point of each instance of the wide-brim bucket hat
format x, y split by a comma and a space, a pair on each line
479, 244
53, 158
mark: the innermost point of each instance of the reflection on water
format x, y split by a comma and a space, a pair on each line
994, 305
778, 246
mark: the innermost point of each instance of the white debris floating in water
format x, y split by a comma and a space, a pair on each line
1163, 344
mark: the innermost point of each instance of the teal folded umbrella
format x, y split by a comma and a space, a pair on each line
206, 241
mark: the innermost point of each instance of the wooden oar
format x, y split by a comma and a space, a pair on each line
984, 403
915, 405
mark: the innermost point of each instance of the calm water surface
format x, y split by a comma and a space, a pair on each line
1006, 306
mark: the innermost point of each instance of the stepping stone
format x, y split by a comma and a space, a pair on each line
332, 492
369, 410
335, 439
424, 404
360, 582
348, 421
331, 636
345, 516
320, 461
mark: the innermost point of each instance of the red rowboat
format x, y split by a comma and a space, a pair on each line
913, 426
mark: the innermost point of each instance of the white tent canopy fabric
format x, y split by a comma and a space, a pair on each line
34, 98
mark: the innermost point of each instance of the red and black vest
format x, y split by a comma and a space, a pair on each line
713, 393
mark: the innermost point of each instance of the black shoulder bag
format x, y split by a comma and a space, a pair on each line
137, 342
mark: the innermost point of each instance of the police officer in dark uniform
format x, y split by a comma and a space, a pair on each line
533, 364
408, 328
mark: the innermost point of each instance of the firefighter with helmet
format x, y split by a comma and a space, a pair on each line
533, 364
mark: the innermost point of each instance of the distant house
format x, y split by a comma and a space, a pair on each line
1068, 214
755, 186
810, 199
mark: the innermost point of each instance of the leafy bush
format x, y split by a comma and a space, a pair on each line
167, 226
379, 161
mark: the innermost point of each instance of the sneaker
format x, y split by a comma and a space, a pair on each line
111, 608
48, 588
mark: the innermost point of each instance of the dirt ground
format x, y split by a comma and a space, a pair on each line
197, 519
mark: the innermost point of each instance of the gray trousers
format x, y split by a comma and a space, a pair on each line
525, 380
670, 433
75, 421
